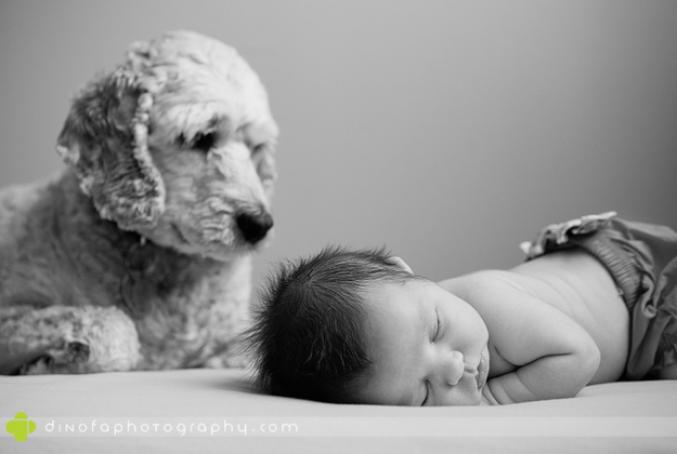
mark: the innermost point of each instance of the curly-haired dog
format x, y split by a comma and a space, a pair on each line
139, 255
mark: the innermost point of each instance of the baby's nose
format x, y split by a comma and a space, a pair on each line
450, 368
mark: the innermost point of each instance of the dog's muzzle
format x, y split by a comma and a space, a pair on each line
254, 226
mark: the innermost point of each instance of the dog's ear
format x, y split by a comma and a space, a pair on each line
104, 139
264, 159
265, 167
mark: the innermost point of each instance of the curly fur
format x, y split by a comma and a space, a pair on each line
136, 256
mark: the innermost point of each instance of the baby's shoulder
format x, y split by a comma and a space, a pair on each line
486, 283
502, 294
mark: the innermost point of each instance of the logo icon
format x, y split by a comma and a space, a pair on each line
20, 426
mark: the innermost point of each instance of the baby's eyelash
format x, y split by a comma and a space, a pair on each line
427, 394
437, 329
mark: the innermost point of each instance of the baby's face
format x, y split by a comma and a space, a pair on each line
427, 347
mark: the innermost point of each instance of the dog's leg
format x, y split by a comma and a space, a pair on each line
232, 357
66, 339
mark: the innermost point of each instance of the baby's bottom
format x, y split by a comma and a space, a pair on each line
642, 259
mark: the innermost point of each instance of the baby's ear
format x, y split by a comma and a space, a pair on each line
104, 140
400, 263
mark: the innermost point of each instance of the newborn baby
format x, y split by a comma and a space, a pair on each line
595, 302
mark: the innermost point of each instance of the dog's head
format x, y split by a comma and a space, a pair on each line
177, 144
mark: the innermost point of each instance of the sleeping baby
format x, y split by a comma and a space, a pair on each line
595, 302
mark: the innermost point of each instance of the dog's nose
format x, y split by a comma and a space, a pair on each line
254, 226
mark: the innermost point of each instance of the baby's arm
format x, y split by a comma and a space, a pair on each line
553, 355
549, 377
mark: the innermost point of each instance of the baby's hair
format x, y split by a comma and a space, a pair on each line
307, 336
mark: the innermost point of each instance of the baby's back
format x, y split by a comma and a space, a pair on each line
580, 286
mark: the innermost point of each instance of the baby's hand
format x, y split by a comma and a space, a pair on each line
487, 397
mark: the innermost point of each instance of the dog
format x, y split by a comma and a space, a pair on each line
138, 256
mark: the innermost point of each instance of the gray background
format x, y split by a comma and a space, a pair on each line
447, 131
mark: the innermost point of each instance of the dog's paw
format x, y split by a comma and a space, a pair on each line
77, 352
73, 340
71, 357
229, 360
112, 341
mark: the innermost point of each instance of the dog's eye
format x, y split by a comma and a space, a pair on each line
204, 141
258, 148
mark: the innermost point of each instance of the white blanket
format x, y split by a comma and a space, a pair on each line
219, 411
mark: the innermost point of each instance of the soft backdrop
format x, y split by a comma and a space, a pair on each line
447, 131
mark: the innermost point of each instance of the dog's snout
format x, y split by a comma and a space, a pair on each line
254, 226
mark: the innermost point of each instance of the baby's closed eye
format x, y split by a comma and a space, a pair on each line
437, 326
426, 384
